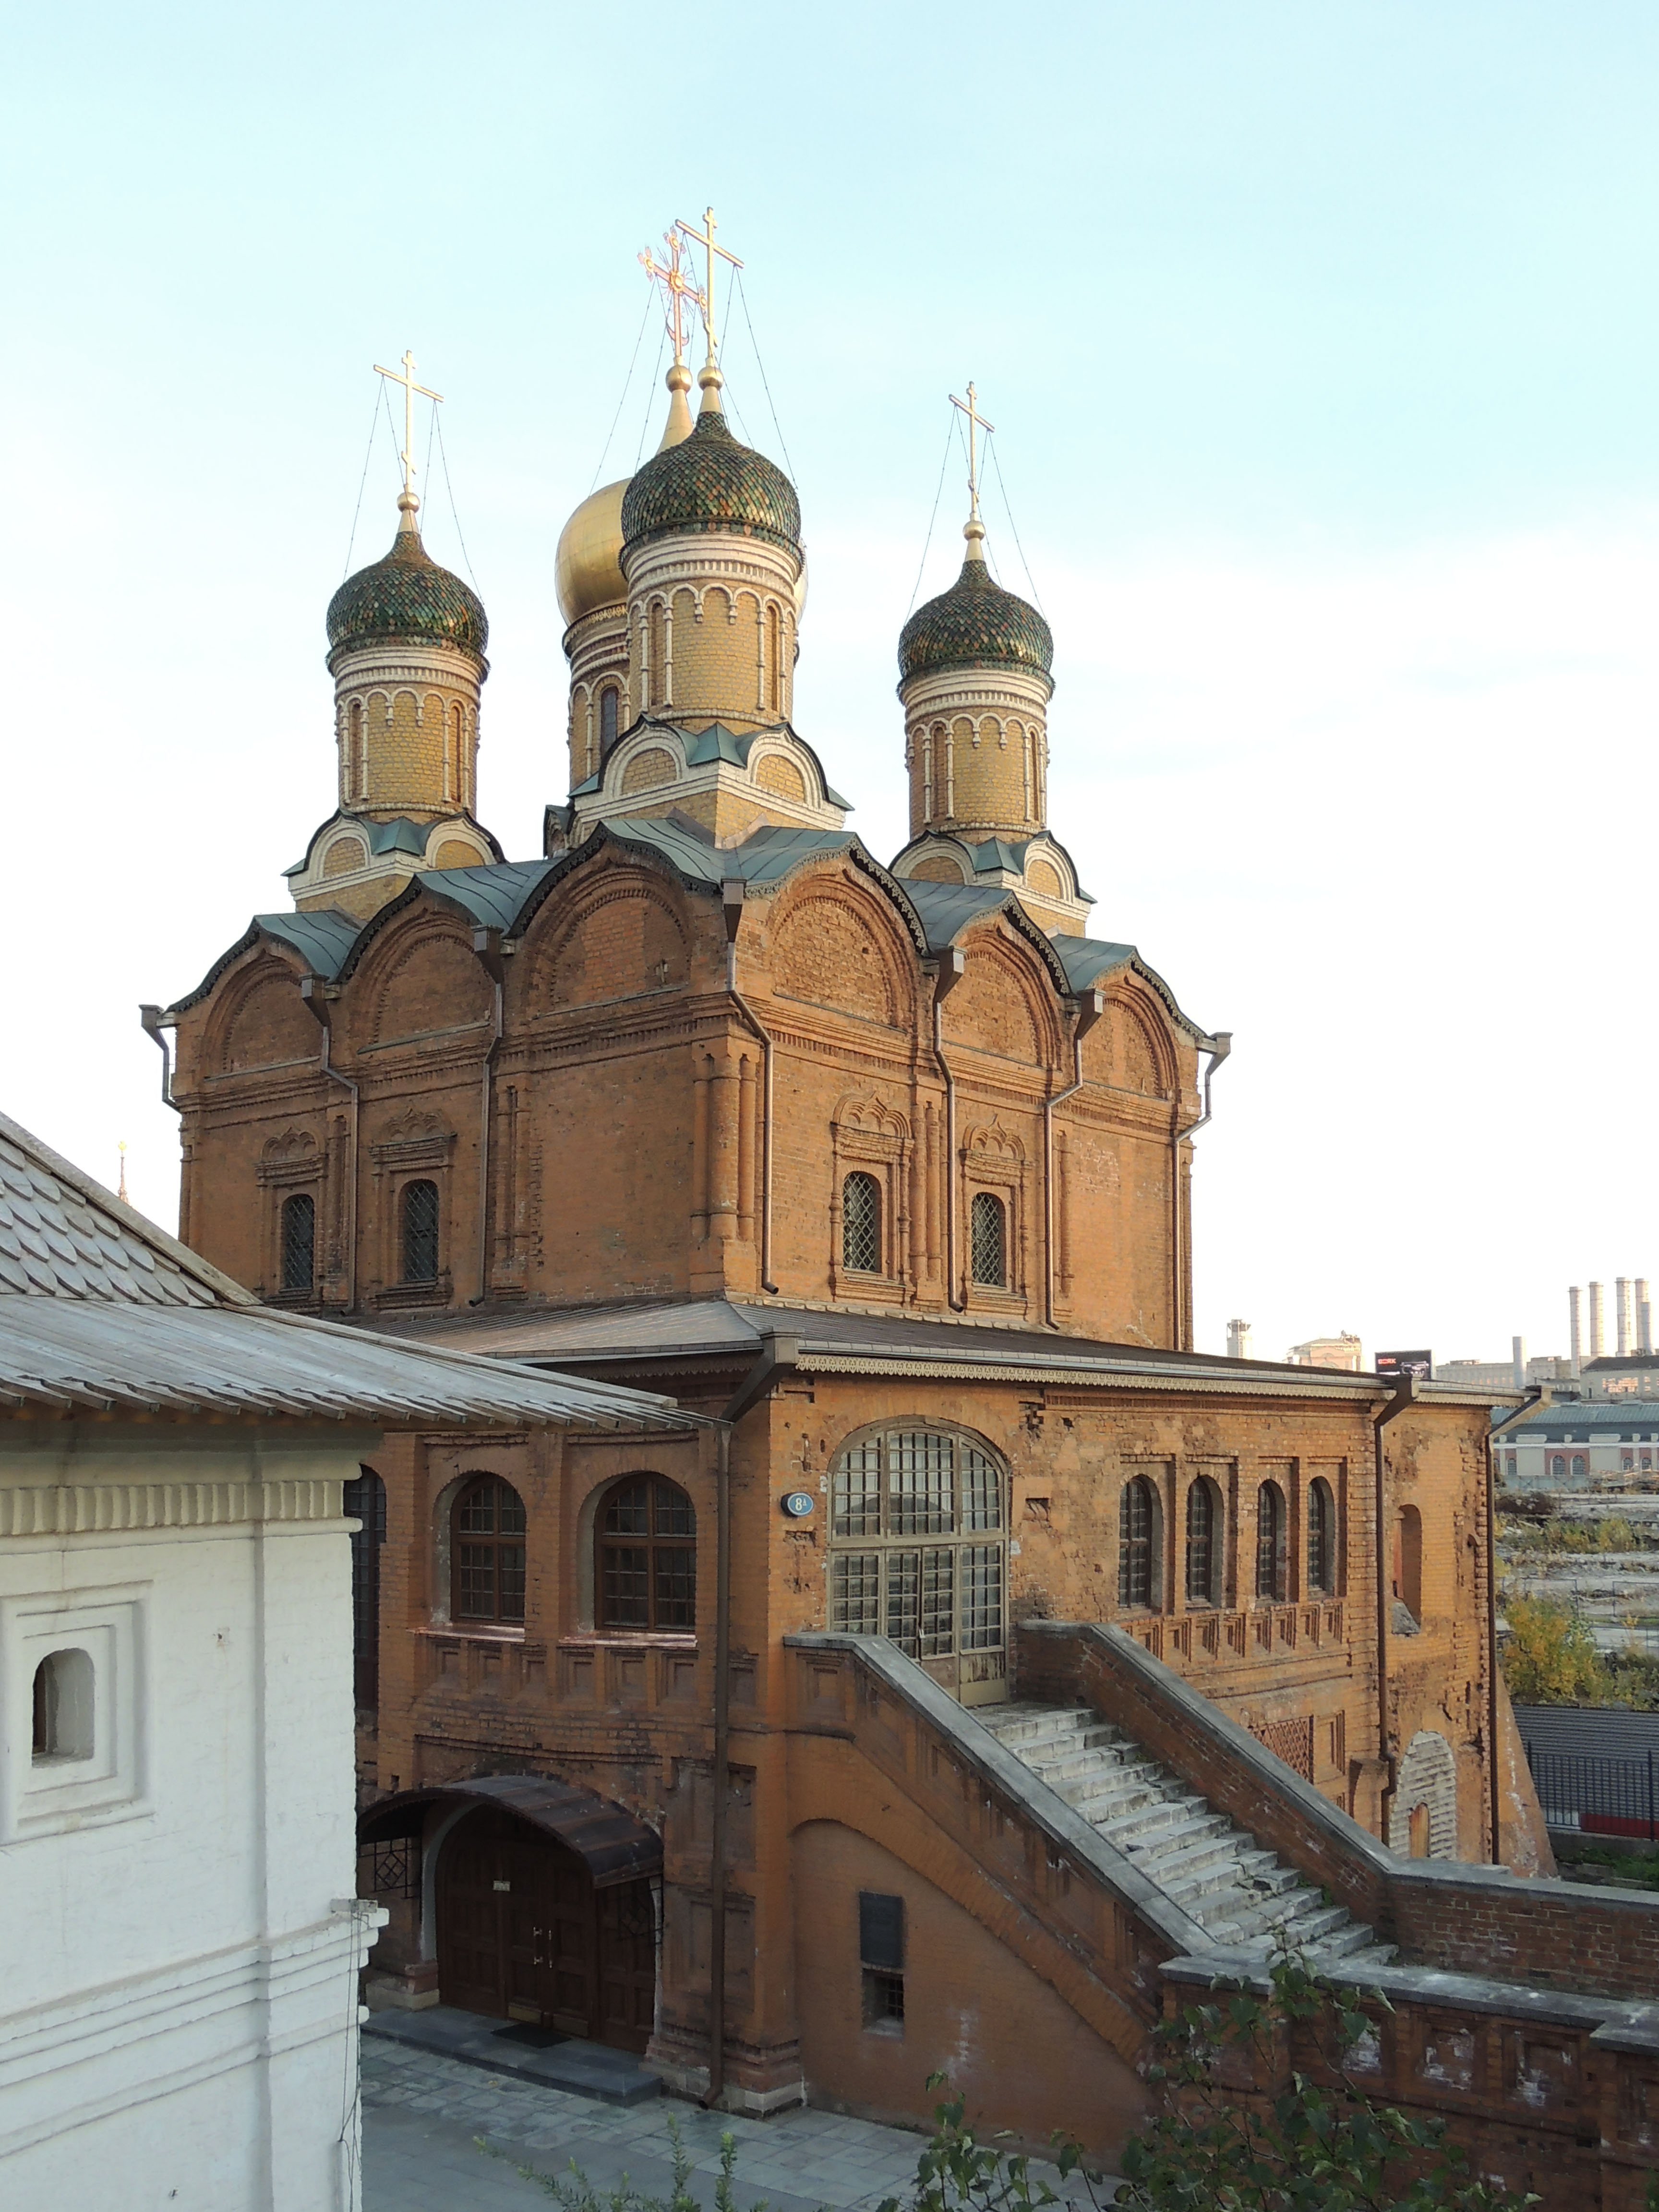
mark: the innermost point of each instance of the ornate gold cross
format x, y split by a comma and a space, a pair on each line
976, 422
706, 240
676, 289
407, 380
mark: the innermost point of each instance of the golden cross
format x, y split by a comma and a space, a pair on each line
407, 380
976, 422
706, 239
676, 289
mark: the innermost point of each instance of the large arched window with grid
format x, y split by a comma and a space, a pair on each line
1270, 1535
1141, 1547
1322, 1538
420, 1231
645, 1568
487, 1533
299, 1241
919, 1552
861, 1224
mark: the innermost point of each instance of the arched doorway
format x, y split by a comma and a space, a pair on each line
525, 1935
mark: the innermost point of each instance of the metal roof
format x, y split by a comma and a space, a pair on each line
101, 1311
1566, 1418
611, 1844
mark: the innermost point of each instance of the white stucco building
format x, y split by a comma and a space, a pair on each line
180, 1941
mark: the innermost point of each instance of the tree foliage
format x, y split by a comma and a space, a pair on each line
1549, 1657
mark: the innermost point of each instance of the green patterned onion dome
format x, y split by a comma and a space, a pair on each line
974, 624
408, 595
709, 482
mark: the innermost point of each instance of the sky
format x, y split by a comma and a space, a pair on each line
1321, 340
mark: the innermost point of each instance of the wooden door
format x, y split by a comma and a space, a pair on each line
523, 1935
626, 1965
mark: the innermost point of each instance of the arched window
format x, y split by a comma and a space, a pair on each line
647, 1569
420, 1208
659, 621
487, 1534
774, 659
363, 1499
1140, 1578
356, 779
64, 1706
1203, 1546
1580, 1466
919, 1553
1558, 1466
608, 699
1408, 1561
299, 1241
861, 1224
1270, 1541
1322, 1536
987, 1241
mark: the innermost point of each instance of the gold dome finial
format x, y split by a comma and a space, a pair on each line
678, 425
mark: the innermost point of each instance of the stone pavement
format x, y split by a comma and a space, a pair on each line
421, 2113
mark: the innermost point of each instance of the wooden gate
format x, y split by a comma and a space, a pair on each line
523, 1935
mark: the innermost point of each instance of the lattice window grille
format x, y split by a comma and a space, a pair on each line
919, 1485
981, 1597
980, 1488
860, 1225
1292, 1741
857, 1503
856, 1593
987, 1241
299, 1241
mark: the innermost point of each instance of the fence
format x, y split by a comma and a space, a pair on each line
1604, 1796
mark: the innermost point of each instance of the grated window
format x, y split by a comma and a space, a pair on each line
987, 1241
1200, 1544
299, 1241
860, 1225
420, 1232
1270, 1541
1137, 1522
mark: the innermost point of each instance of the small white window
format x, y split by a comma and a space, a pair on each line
64, 1706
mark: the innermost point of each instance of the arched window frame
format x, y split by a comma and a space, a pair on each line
1141, 1547
1324, 1540
1271, 1544
863, 1223
488, 1532
645, 1558
989, 1241
609, 719
1207, 1524
297, 1242
1408, 1561
416, 1237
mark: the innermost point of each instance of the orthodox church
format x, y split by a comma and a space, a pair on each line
978, 1660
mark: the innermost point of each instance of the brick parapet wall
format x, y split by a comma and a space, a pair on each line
1454, 1919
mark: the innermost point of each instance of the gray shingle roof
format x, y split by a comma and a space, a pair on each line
102, 1311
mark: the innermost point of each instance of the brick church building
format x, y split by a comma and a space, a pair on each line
978, 1662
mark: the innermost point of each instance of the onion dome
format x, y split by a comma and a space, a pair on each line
710, 482
588, 567
407, 595
975, 624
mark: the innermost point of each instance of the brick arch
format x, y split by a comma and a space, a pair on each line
618, 940
992, 1144
834, 947
423, 977
261, 1021
1428, 1779
1131, 1050
776, 771
1002, 1006
869, 1115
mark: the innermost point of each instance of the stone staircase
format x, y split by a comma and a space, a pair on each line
1240, 1894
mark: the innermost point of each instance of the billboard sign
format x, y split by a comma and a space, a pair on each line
1396, 1366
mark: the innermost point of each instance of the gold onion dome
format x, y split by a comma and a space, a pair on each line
588, 567
407, 595
711, 482
975, 624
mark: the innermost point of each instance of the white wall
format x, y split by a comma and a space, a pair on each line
178, 2003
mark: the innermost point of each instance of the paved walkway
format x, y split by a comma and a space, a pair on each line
422, 2112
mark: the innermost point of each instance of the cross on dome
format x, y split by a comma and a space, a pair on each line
977, 423
706, 240
406, 378
676, 289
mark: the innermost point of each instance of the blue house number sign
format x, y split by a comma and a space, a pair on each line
797, 1504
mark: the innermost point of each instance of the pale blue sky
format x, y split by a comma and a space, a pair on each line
1321, 343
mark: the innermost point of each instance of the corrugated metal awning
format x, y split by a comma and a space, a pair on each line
610, 1843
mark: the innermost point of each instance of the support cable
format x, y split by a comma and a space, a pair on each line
939, 493
356, 513
628, 386
651, 390
453, 511
1014, 527
783, 443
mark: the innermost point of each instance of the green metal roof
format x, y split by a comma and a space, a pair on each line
407, 594
973, 625
710, 482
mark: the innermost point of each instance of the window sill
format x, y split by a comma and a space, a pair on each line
630, 1639
398, 1297
487, 1631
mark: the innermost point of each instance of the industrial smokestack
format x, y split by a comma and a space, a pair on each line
1622, 1322
1577, 1337
1644, 1316
1518, 1353
1597, 1339
1238, 1340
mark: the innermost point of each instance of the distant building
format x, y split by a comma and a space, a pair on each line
1579, 1445
1238, 1340
1342, 1352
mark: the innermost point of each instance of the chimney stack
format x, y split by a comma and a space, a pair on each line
1626, 1332
1597, 1339
1577, 1337
1518, 1352
1644, 1316
1238, 1340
